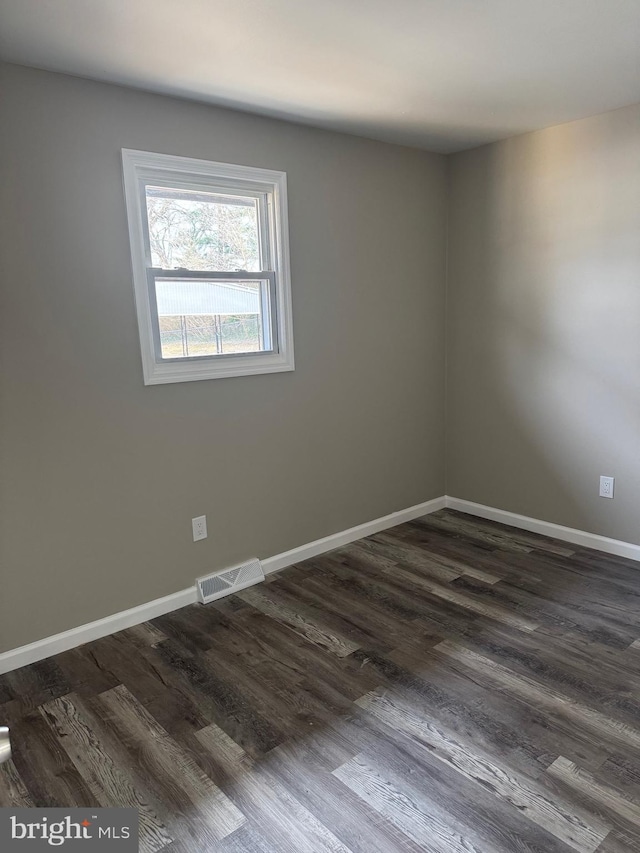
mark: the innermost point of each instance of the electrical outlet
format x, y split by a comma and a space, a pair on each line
199, 526
606, 487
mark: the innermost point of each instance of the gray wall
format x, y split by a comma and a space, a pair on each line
543, 380
101, 475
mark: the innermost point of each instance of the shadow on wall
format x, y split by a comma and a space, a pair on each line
545, 325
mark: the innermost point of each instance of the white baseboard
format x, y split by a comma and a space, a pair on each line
547, 528
49, 646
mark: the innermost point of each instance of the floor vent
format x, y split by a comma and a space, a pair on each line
229, 581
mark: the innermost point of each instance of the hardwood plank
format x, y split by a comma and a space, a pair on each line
144, 635
195, 793
601, 725
471, 523
465, 552
447, 568
13, 791
244, 840
302, 658
620, 842
107, 781
419, 821
493, 717
144, 672
486, 816
622, 772
85, 671
220, 701
610, 800
565, 668
397, 550
491, 611
428, 592
36, 683
305, 770
377, 628
51, 778
268, 803
300, 620
567, 822
458, 527
389, 591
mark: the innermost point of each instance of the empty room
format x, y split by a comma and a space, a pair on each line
320, 426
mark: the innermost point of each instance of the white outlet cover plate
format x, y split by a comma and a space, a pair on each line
606, 487
199, 526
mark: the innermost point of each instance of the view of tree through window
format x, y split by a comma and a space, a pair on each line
203, 231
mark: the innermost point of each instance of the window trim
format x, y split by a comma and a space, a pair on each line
143, 167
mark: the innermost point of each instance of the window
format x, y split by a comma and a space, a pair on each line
209, 246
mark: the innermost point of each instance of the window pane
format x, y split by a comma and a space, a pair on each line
198, 318
202, 231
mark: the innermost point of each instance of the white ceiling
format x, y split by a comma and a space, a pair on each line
439, 74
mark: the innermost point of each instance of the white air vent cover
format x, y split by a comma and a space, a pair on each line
229, 580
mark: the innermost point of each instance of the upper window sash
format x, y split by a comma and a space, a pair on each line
248, 190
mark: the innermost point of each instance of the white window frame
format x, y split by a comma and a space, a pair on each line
143, 168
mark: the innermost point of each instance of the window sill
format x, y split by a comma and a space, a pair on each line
246, 365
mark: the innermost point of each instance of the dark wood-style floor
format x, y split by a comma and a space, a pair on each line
449, 685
